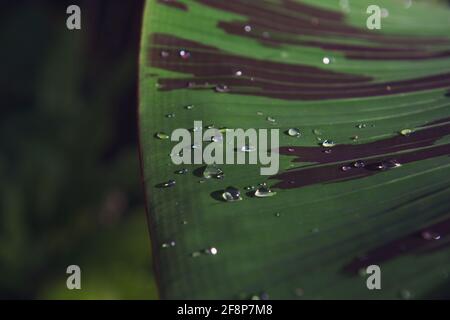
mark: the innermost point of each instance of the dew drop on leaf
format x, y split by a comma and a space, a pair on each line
299, 292
169, 184
385, 165
164, 54
293, 132
184, 54
168, 244
248, 148
405, 294
162, 136
231, 194
405, 132
328, 143
429, 235
212, 172
217, 137
211, 251
263, 192
222, 88
359, 164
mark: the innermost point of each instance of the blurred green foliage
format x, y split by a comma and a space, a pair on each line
70, 190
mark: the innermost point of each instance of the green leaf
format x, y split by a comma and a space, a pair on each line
382, 96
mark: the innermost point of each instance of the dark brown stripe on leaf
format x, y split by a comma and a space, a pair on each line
427, 240
210, 67
282, 23
376, 152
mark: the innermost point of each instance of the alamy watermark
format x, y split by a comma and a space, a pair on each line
373, 282
73, 22
227, 146
74, 280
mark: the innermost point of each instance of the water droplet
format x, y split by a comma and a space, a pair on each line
238, 73
361, 126
212, 172
248, 148
247, 28
170, 115
168, 244
405, 294
266, 34
195, 254
362, 272
162, 136
291, 149
231, 194
354, 138
164, 54
182, 171
346, 168
345, 6
168, 184
388, 88
406, 132
359, 164
255, 297
430, 235
249, 188
299, 292
195, 146
270, 119
263, 192
326, 60
259, 113
277, 215
189, 107
184, 54
317, 132
294, 132
217, 137
384, 13
327, 151
184, 222
385, 165
222, 88
212, 251
328, 144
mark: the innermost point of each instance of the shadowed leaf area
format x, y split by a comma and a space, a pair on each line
364, 182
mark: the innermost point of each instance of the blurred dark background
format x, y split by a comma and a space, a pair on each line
70, 188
